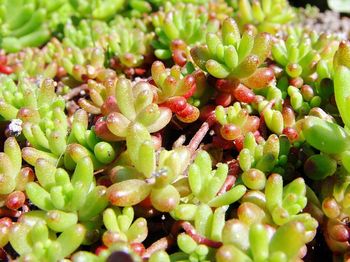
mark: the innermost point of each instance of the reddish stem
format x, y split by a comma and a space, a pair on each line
191, 231
180, 141
229, 182
75, 92
166, 242
160, 244
198, 137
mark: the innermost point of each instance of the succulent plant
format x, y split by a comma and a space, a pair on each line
134, 103
13, 177
297, 57
151, 177
130, 46
101, 97
205, 184
230, 54
37, 242
255, 159
84, 64
268, 16
192, 250
66, 200
31, 62
84, 142
178, 29
235, 121
341, 64
99, 10
208, 224
334, 206
88, 33
137, 8
27, 101
233, 147
173, 89
325, 135
270, 108
121, 227
29, 23
260, 242
41, 115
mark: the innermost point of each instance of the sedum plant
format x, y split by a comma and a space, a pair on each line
13, 177
233, 147
134, 103
279, 205
331, 134
64, 200
179, 28
206, 183
207, 223
268, 16
84, 64
88, 33
84, 142
173, 90
335, 209
101, 97
286, 203
228, 54
28, 97
191, 250
31, 62
30, 23
235, 122
263, 244
130, 46
298, 57
99, 10
121, 227
34, 241
256, 158
151, 176
341, 64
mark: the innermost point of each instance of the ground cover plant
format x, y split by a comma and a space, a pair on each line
194, 130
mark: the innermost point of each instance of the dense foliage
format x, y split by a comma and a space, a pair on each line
194, 130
